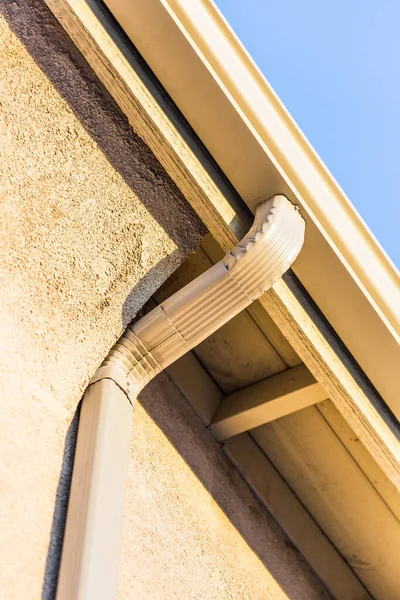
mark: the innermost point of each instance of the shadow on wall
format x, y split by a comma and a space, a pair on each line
60, 511
57, 56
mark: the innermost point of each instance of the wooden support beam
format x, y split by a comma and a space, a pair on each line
294, 518
266, 401
151, 113
196, 385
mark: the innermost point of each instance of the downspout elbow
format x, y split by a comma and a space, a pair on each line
270, 247
200, 308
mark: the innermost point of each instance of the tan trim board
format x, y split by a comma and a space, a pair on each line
266, 401
294, 519
329, 362
311, 341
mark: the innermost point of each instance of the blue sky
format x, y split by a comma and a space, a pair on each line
336, 67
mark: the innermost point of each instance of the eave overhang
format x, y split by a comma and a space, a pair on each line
226, 99
236, 115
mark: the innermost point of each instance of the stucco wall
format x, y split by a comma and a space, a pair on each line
90, 227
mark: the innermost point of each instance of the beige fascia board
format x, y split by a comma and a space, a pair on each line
90, 557
238, 117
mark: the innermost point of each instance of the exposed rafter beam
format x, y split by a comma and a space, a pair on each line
266, 401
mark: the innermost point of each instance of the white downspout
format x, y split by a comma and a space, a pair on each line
91, 550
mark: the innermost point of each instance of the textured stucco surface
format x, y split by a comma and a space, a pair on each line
90, 227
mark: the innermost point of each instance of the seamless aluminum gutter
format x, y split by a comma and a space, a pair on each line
236, 114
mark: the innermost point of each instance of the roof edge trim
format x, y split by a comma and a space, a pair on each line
243, 83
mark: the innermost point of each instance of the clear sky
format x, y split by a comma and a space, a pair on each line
336, 67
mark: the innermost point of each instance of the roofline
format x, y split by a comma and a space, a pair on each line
169, 135
230, 105
241, 80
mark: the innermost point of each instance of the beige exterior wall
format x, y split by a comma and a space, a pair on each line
90, 227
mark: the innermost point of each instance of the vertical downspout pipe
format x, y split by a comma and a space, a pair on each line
92, 542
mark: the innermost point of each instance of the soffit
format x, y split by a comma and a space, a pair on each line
308, 468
